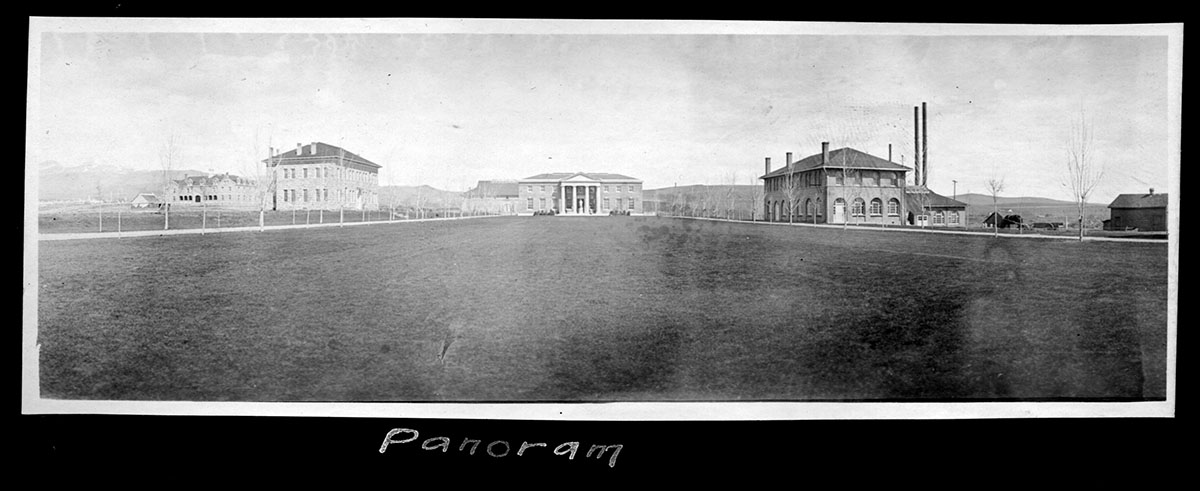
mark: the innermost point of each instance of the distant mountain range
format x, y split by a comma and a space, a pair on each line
59, 182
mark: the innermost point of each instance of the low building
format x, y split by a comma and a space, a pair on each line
320, 176
839, 186
579, 193
500, 197
936, 210
219, 190
1142, 212
144, 200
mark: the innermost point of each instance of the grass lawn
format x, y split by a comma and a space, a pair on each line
609, 308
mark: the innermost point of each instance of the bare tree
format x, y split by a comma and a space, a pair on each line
757, 198
792, 190
168, 153
1083, 172
995, 187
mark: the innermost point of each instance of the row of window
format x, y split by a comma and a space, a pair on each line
939, 218
303, 195
854, 177
621, 202
858, 207
322, 172
543, 188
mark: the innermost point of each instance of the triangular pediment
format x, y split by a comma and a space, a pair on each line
579, 178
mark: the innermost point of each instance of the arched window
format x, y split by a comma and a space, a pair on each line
953, 216
938, 218
859, 207
809, 211
876, 207
893, 207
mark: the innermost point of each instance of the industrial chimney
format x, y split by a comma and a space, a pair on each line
924, 146
824, 153
768, 166
916, 146
788, 160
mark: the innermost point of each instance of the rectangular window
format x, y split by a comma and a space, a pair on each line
324, 195
606, 207
542, 188
529, 203
631, 189
529, 188
606, 190
631, 203
619, 201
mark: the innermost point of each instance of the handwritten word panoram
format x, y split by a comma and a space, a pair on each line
498, 448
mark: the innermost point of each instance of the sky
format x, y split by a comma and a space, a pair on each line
447, 107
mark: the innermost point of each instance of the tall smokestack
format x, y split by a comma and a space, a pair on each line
924, 146
768, 166
889, 152
916, 146
824, 153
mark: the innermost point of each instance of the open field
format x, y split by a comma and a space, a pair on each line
607, 308
92, 217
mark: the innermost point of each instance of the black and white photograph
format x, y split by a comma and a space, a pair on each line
616, 220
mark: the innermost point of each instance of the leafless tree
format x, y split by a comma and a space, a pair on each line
1083, 172
995, 187
168, 154
792, 190
758, 197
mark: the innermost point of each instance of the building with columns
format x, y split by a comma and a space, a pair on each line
319, 176
838, 186
579, 193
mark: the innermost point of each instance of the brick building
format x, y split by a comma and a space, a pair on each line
219, 190
1144, 212
493, 197
579, 193
839, 186
939, 211
319, 176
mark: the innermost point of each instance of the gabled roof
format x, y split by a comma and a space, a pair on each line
1140, 201
209, 180
494, 189
846, 157
912, 196
324, 150
148, 197
595, 176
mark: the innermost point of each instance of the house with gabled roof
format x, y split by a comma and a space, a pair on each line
845, 185
320, 176
579, 193
1143, 212
144, 200
937, 210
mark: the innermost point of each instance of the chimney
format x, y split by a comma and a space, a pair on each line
824, 153
768, 166
916, 146
889, 152
1152, 191
924, 146
299, 149
313, 149
788, 160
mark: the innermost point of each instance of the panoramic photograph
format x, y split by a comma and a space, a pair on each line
561, 212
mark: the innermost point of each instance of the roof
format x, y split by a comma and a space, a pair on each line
911, 196
494, 189
208, 180
1140, 201
324, 150
148, 197
846, 157
595, 176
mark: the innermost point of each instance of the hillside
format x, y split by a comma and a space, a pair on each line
424, 196
58, 182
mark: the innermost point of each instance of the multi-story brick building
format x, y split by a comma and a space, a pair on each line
579, 193
320, 176
219, 190
493, 197
839, 186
